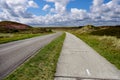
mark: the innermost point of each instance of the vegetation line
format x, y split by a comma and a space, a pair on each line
42, 66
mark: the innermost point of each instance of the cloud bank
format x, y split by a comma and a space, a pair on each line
100, 13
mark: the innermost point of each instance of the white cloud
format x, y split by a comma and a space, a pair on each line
79, 13
46, 7
105, 12
60, 5
97, 2
16, 8
100, 13
32, 4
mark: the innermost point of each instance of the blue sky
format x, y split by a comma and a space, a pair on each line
80, 4
61, 12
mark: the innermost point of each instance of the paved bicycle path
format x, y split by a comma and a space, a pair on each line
78, 61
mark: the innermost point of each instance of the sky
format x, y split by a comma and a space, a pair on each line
61, 12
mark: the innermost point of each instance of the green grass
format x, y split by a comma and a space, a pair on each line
42, 66
107, 46
8, 37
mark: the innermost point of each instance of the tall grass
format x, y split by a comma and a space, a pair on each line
7, 35
110, 42
107, 46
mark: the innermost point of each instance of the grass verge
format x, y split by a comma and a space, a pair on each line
42, 66
107, 46
8, 37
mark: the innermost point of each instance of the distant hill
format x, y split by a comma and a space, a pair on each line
100, 30
108, 30
13, 25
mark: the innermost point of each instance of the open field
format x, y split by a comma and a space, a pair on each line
42, 66
12, 31
104, 41
8, 37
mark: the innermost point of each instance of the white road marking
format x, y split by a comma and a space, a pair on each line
88, 72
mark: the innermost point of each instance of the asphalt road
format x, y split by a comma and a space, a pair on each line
78, 61
15, 53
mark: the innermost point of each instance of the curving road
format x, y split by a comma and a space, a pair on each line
15, 53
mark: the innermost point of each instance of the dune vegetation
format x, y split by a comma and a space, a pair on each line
105, 40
